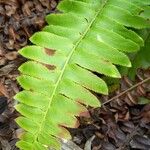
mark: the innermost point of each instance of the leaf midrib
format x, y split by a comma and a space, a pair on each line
104, 2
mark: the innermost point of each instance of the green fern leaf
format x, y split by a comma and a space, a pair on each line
87, 36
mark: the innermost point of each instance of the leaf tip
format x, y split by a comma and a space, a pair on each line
116, 75
129, 64
21, 51
15, 97
97, 104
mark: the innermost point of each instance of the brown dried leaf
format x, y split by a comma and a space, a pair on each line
3, 104
107, 146
127, 126
6, 69
140, 142
2, 61
11, 55
3, 90
145, 114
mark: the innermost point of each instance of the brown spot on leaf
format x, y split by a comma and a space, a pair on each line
50, 67
49, 52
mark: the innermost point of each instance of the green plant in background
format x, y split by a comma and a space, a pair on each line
87, 36
142, 57
141, 60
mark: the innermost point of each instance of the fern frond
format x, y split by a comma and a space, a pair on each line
87, 36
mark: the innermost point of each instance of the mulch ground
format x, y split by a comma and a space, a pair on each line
121, 123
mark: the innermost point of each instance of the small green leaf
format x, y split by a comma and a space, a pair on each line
143, 101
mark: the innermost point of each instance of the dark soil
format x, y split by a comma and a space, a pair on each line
121, 123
